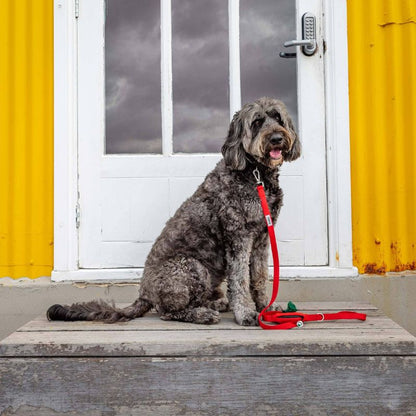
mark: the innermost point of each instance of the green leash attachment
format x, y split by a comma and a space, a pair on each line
291, 307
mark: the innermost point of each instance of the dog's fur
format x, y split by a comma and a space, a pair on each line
218, 234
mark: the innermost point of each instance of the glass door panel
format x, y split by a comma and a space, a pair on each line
264, 26
200, 75
132, 77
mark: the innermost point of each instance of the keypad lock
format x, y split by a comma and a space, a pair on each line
308, 43
309, 33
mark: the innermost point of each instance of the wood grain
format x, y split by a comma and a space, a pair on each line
152, 322
153, 367
354, 341
209, 386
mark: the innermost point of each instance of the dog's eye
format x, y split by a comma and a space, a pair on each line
275, 114
257, 122
279, 119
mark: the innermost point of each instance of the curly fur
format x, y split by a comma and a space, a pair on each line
217, 234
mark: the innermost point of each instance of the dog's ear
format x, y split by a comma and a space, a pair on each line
233, 150
296, 149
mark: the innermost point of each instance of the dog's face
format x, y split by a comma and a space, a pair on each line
264, 131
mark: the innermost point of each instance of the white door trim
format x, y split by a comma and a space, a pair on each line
166, 82
338, 135
66, 156
65, 137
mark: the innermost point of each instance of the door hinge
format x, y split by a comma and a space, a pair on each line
76, 9
77, 215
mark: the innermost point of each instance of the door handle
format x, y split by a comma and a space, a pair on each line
287, 55
303, 42
308, 43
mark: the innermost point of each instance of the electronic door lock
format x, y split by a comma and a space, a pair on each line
308, 42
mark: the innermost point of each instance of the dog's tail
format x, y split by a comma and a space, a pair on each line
98, 311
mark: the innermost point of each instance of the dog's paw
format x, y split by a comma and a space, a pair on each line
206, 316
220, 305
274, 307
199, 315
245, 316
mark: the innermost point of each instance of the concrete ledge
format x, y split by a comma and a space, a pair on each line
22, 300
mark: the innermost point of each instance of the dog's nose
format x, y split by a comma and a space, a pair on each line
276, 139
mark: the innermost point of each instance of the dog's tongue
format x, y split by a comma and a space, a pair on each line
275, 153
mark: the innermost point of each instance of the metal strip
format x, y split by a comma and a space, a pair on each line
234, 55
166, 76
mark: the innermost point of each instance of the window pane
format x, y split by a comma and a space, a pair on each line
200, 74
132, 83
264, 26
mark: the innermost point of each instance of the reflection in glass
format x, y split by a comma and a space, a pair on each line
200, 74
264, 26
132, 81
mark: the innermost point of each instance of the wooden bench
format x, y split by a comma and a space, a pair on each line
151, 367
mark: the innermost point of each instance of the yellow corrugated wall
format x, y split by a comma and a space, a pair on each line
382, 70
26, 138
382, 75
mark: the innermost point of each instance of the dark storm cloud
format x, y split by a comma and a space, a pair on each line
200, 69
133, 119
264, 27
200, 74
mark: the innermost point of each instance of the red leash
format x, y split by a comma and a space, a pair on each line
288, 320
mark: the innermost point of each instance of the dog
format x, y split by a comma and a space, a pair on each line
218, 234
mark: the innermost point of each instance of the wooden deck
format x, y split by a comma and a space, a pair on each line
151, 367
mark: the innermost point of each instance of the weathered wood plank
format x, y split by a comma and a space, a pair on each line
151, 322
209, 386
354, 341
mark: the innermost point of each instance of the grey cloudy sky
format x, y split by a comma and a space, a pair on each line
200, 69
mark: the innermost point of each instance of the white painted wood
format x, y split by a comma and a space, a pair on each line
311, 111
91, 126
124, 204
234, 53
132, 274
157, 166
65, 134
166, 76
338, 144
144, 166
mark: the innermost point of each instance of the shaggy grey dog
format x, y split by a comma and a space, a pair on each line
218, 234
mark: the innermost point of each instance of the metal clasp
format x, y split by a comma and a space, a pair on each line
256, 174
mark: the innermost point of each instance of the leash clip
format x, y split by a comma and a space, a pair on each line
256, 174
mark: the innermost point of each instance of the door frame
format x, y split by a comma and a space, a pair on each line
66, 210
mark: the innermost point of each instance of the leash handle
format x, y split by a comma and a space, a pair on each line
276, 263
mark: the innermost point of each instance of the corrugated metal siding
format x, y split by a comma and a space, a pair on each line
382, 62
26, 138
382, 71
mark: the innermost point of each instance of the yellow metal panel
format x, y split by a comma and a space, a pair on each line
26, 138
382, 61
382, 73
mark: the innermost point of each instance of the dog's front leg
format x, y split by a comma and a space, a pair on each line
238, 275
259, 273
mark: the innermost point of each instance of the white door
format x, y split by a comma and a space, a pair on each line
157, 86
